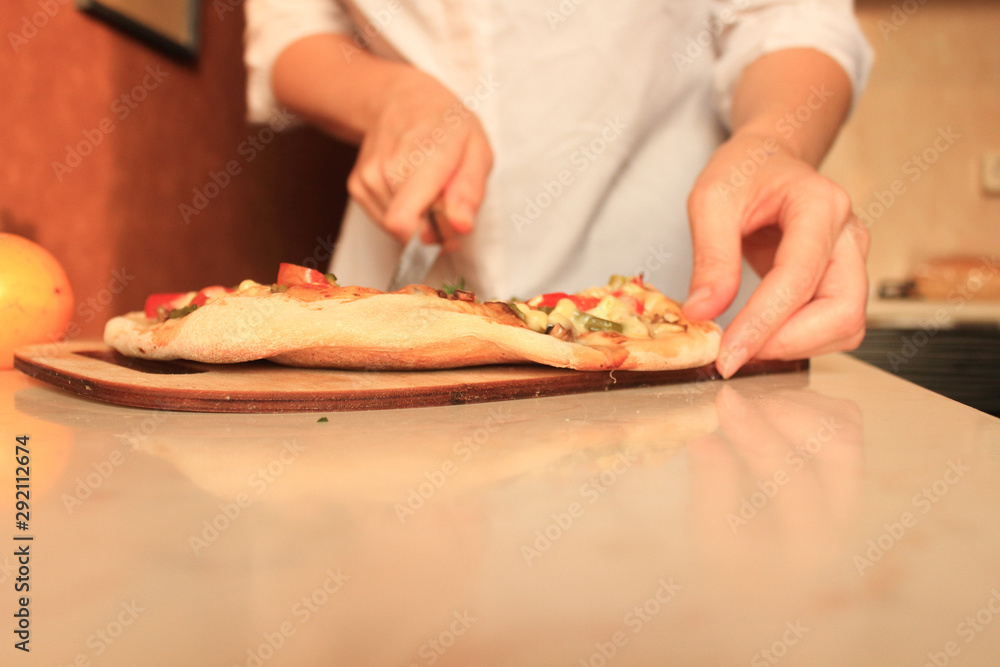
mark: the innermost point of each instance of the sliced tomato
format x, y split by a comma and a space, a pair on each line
167, 300
293, 274
204, 294
582, 303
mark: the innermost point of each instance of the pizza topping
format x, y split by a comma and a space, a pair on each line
561, 333
178, 304
208, 293
534, 319
594, 323
450, 289
167, 301
616, 282
420, 290
503, 313
311, 293
625, 306
632, 302
582, 303
607, 314
181, 312
292, 274
457, 295
665, 328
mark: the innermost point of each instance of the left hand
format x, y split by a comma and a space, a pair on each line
797, 230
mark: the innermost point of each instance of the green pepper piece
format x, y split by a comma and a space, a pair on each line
181, 312
450, 289
593, 323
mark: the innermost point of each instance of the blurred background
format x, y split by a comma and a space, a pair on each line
921, 160
937, 69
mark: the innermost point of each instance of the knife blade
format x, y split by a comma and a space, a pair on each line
417, 257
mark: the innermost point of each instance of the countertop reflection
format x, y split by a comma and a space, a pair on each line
835, 517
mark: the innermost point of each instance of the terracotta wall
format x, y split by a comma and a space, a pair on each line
930, 113
102, 140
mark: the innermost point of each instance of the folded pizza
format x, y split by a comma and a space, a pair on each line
306, 319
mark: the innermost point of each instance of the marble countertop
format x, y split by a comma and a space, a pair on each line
835, 517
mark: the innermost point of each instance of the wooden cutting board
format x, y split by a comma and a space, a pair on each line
98, 372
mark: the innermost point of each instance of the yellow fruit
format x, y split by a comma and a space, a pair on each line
36, 301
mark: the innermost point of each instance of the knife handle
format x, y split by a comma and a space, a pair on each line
434, 214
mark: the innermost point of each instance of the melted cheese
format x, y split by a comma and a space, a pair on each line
247, 284
611, 308
535, 320
658, 319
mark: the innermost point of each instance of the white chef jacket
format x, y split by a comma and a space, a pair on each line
600, 114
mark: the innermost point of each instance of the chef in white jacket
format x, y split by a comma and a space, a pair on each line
563, 141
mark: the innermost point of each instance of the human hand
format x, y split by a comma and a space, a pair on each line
796, 229
422, 147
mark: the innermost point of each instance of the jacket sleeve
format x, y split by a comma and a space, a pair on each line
271, 26
748, 29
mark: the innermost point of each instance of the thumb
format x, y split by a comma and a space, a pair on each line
715, 238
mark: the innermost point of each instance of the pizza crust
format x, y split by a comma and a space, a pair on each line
697, 346
381, 332
397, 331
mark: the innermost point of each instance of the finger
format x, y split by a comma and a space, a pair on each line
369, 201
414, 196
715, 240
834, 320
464, 193
859, 234
440, 231
367, 184
800, 262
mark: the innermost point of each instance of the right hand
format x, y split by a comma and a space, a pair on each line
422, 147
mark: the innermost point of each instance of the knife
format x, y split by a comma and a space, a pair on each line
418, 257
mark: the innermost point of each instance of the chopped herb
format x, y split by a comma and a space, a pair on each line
181, 312
332, 279
546, 309
450, 289
322, 420
276, 288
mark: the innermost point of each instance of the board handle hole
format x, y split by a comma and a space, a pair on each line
141, 365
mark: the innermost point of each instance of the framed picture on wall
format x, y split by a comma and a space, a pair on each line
168, 25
